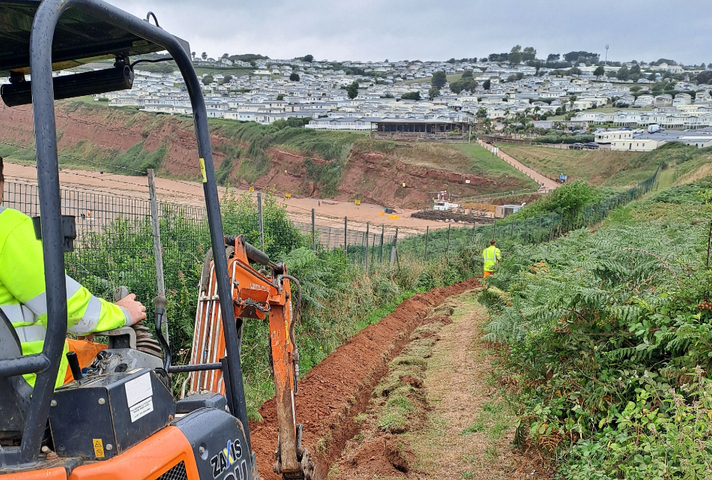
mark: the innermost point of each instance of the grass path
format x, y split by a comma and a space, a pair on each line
439, 413
471, 427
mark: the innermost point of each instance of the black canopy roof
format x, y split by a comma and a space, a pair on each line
79, 38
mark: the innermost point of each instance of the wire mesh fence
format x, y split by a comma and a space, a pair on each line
114, 244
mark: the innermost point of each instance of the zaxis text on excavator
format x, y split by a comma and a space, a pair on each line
119, 419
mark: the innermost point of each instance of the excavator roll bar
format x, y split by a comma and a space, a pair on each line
40, 62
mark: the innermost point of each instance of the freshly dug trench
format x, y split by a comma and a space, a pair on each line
339, 388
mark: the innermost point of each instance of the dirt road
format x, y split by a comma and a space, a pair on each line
329, 213
547, 184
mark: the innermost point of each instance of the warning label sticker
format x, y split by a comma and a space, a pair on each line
141, 409
98, 447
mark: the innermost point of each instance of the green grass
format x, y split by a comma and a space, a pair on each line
597, 167
485, 163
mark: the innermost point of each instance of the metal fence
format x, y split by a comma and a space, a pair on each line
114, 244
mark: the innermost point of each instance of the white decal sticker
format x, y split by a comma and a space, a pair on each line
141, 409
138, 389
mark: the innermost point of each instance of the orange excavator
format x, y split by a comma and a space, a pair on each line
119, 420
255, 295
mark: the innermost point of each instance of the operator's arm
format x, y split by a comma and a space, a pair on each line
23, 274
497, 254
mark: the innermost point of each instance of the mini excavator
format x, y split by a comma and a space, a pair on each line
119, 419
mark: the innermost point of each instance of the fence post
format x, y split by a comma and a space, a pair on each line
328, 242
260, 220
157, 250
427, 231
366, 252
474, 231
373, 248
538, 233
380, 251
447, 249
313, 231
395, 238
346, 244
494, 229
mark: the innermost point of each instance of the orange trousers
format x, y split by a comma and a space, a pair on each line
487, 274
86, 350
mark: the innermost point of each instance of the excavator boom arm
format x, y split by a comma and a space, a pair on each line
266, 293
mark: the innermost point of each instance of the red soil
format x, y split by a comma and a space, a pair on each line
339, 388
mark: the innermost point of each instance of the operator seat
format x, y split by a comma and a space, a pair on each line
15, 392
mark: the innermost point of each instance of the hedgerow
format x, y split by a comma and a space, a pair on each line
609, 341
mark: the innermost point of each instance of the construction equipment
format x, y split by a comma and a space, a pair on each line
255, 294
119, 420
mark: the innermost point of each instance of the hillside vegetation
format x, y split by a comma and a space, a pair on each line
609, 338
597, 167
283, 156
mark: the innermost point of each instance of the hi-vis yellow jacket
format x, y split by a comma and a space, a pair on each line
490, 255
22, 292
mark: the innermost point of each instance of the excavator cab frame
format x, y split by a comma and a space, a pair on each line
37, 37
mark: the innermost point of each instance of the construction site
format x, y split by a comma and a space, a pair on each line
185, 299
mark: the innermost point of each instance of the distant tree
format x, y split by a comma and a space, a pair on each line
487, 84
352, 90
227, 78
704, 77
225, 55
192, 54
703, 66
623, 73
208, 79
433, 92
294, 77
439, 80
581, 57
481, 112
204, 56
635, 69
553, 57
599, 71
308, 58
664, 60
515, 55
253, 63
468, 84
467, 74
529, 54
484, 59
573, 71
411, 96
280, 97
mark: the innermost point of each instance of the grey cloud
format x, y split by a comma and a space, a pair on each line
379, 29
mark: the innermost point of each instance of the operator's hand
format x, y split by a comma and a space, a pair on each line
134, 307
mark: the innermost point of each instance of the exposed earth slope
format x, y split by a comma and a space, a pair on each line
343, 166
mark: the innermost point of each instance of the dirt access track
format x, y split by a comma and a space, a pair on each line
339, 388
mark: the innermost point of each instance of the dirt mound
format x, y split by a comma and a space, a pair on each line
339, 388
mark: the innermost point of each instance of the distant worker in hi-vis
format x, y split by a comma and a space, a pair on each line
491, 256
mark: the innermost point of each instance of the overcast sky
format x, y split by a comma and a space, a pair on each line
437, 29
